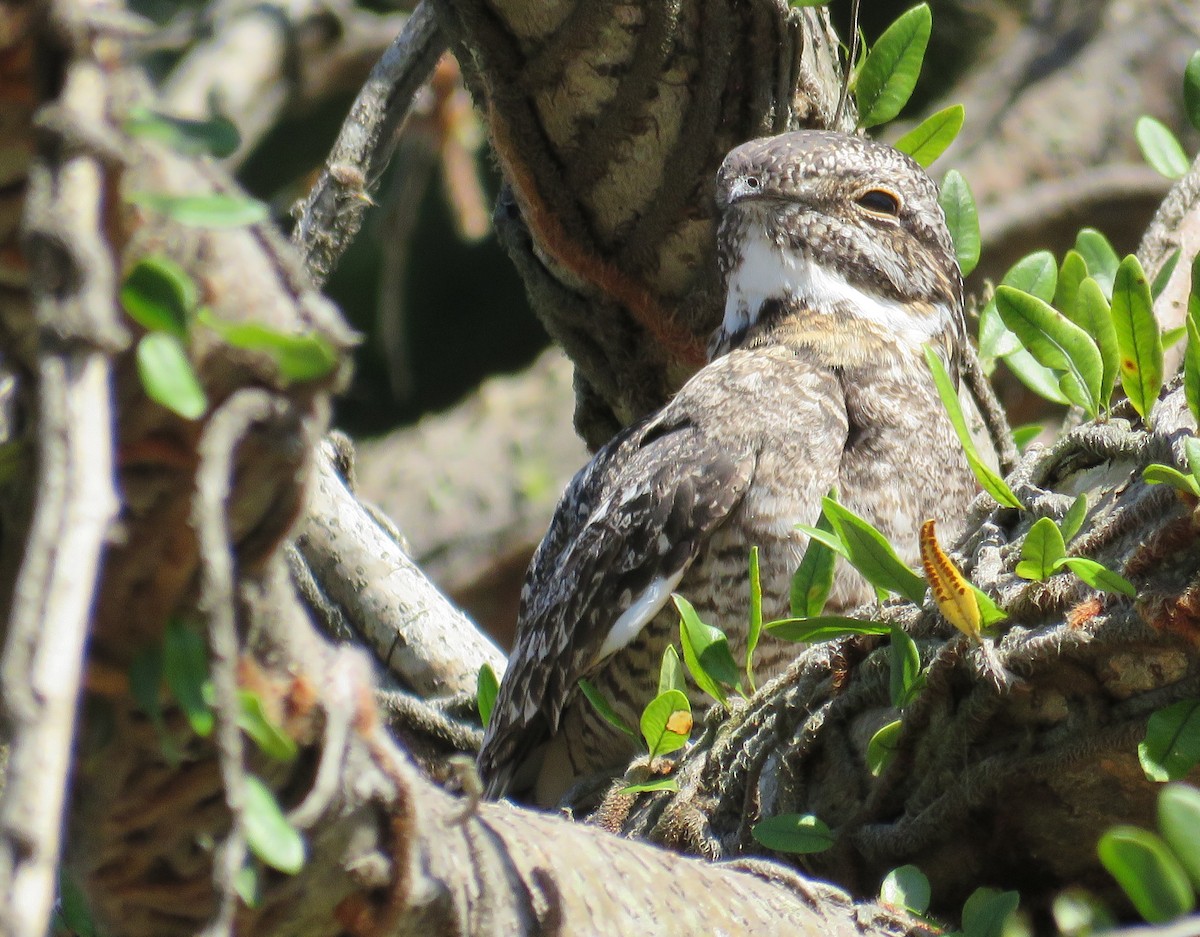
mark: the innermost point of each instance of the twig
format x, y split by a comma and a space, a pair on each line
412, 628
990, 409
72, 280
333, 211
217, 448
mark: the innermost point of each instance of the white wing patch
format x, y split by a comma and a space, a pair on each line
767, 271
637, 616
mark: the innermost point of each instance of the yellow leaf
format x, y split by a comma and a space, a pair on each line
954, 596
680, 722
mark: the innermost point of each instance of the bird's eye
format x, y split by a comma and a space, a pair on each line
880, 201
752, 182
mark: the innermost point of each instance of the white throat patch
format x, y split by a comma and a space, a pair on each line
766, 271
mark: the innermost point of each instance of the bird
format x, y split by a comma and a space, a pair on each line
838, 269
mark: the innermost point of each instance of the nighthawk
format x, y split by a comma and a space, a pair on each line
838, 269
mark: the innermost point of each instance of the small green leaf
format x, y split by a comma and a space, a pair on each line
1163, 277
1073, 520
248, 885
706, 652
1098, 576
793, 832
1036, 274
1056, 343
1172, 337
905, 662
1071, 273
988, 480
300, 358
889, 72
670, 672
1179, 821
813, 579
204, 211
989, 612
826, 537
1191, 367
1156, 474
1160, 148
906, 887
882, 747
185, 667
267, 735
216, 136
1102, 261
487, 688
1025, 434
987, 910
1191, 90
821, 628
159, 295
929, 139
1171, 747
1191, 451
871, 554
995, 340
1092, 314
72, 916
604, 708
167, 376
962, 218
662, 784
1138, 337
268, 833
1043, 547
657, 728
1080, 914
756, 616
1148, 872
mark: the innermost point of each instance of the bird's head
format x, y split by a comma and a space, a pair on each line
839, 227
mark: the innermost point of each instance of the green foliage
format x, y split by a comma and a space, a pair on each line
185, 668
882, 747
1191, 357
929, 139
204, 211
1148, 872
1072, 522
487, 688
670, 671
906, 679
216, 136
1102, 261
1171, 747
268, 833
604, 708
1098, 576
822, 628
962, 218
1160, 148
1079, 914
298, 357
987, 911
1041, 551
989, 480
265, 733
1166, 475
248, 884
72, 914
706, 653
166, 374
159, 295
1163, 277
756, 617
813, 578
906, 887
1179, 821
870, 553
661, 728
889, 73
659, 784
793, 832
1025, 434
1056, 343
1092, 313
1138, 339
1191, 90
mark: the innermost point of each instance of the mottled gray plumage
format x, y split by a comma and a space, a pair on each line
838, 268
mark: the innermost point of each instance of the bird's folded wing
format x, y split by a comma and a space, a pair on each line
628, 527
